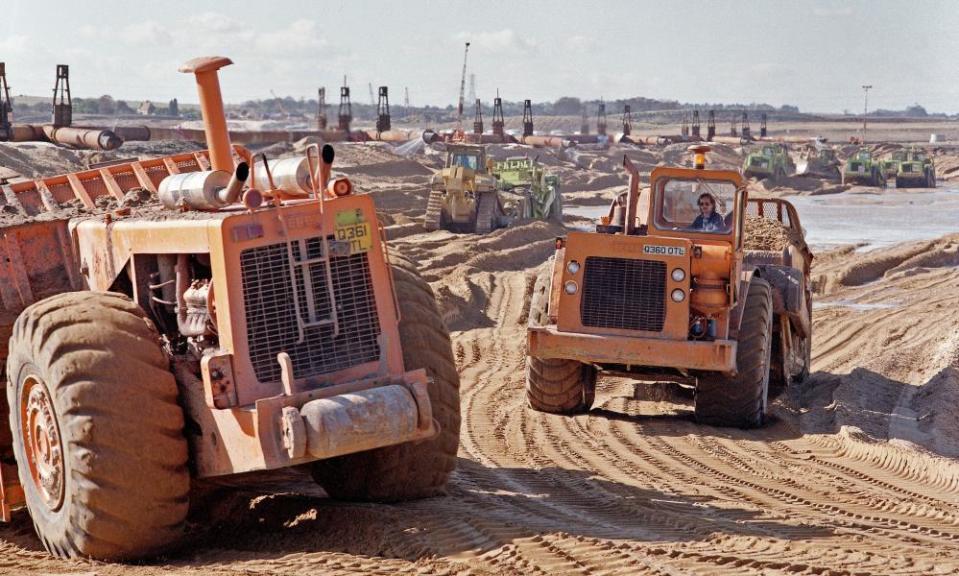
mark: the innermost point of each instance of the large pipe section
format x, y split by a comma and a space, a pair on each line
133, 133
91, 138
547, 141
88, 138
211, 106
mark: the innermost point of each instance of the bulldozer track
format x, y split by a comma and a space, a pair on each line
433, 218
487, 212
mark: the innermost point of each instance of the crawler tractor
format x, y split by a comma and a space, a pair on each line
538, 191
819, 160
916, 170
771, 161
463, 195
664, 297
890, 165
862, 168
247, 317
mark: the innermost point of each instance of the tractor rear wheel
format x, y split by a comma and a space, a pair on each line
555, 385
740, 400
411, 470
98, 433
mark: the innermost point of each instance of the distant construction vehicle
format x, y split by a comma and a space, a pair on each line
916, 170
770, 161
464, 195
819, 160
890, 165
538, 190
675, 296
210, 314
863, 168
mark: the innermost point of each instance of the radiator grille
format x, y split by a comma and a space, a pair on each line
624, 293
271, 318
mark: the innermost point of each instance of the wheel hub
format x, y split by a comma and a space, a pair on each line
41, 442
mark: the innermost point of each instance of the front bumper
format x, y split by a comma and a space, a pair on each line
715, 355
291, 429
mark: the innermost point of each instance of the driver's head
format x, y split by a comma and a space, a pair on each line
707, 203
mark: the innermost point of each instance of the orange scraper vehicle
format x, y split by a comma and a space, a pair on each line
674, 295
245, 314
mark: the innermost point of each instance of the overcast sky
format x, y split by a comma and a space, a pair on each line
815, 54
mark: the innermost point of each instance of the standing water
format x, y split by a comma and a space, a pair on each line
872, 219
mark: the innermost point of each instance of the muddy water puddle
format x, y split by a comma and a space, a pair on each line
871, 220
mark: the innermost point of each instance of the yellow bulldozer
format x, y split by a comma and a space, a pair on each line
464, 195
243, 314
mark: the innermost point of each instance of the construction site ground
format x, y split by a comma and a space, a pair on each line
855, 474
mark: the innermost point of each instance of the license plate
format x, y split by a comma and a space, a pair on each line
664, 250
358, 235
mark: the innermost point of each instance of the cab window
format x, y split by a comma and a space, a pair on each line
465, 160
702, 206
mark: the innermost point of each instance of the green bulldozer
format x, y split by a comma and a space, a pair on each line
890, 165
770, 161
538, 191
863, 168
464, 195
916, 170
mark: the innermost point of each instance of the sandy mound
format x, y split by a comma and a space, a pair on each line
857, 269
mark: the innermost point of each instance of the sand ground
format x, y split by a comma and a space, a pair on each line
856, 474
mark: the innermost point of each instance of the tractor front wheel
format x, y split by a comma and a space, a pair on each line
98, 434
740, 400
555, 385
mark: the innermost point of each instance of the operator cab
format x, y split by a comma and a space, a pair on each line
698, 203
470, 161
695, 205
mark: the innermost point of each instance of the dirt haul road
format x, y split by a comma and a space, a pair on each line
855, 474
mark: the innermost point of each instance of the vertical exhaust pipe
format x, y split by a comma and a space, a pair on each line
211, 106
326, 166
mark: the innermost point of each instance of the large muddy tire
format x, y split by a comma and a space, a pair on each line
98, 433
555, 385
740, 401
412, 470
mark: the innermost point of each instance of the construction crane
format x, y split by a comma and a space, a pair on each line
279, 104
6, 108
462, 102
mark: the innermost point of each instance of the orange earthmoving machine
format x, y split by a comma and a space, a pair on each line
673, 294
244, 314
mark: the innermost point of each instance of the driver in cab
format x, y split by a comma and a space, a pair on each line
709, 219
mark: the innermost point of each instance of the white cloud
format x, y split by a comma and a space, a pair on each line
16, 43
147, 32
299, 35
832, 12
506, 40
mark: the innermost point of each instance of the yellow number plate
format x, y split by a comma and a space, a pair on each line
359, 235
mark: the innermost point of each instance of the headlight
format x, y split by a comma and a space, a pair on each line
678, 275
570, 287
678, 295
573, 267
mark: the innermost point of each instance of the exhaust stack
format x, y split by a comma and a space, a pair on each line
211, 106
